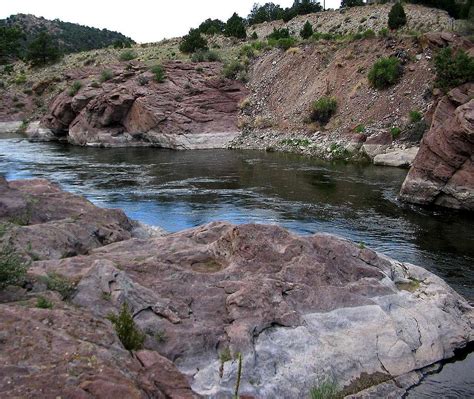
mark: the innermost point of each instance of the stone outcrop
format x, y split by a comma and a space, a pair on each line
298, 309
443, 170
398, 158
193, 108
44, 222
68, 352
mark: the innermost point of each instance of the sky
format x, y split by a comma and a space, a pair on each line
142, 20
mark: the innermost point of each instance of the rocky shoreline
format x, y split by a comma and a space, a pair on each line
299, 310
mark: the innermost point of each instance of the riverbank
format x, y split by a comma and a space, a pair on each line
156, 277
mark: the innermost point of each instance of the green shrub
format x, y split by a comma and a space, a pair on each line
254, 36
129, 334
415, 116
127, 55
326, 390
323, 109
43, 303
60, 284
233, 69
307, 31
397, 17
205, 55
73, 90
368, 34
12, 267
385, 72
248, 51
159, 73
106, 75
279, 34
453, 69
212, 27
20, 79
43, 50
395, 132
192, 42
360, 129
383, 32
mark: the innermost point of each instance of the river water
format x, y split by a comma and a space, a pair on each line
178, 190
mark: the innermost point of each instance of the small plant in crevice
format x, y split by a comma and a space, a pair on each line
360, 129
224, 356
129, 334
160, 336
323, 109
239, 376
325, 390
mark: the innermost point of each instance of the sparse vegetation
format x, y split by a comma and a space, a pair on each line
453, 69
127, 55
159, 73
360, 129
106, 75
129, 334
75, 87
385, 72
160, 336
235, 70
205, 56
12, 267
239, 376
323, 109
60, 284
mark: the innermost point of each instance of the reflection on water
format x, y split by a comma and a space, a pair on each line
177, 190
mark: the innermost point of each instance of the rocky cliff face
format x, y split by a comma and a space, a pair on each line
298, 309
443, 171
193, 108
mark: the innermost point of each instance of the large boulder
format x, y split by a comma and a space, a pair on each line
193, 108
443, 170
298, 309
44, 222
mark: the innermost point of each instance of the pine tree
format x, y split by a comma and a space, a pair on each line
397, 17
193, 41
9, 43
42, 50
307, 31
235, 27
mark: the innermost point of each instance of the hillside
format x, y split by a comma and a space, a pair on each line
69, 36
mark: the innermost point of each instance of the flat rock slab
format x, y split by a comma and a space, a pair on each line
397, 158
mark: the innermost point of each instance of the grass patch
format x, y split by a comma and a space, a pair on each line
326, 390
159, 73
106, 75
60, 284
12, 267
323, 109
74, 89
43, 303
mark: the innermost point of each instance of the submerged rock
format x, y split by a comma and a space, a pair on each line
300, 309
443, 170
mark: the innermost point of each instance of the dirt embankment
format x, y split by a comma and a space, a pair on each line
284, 85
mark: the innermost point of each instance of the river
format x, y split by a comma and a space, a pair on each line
178, 190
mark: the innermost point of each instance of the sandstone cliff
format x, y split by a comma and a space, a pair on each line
443, 171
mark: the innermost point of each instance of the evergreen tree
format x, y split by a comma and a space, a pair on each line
9, 43
212, 27
193, 41
397, 17
235, 27
42, 50
351, 3
307, 31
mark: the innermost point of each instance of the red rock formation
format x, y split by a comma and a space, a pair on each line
443, 170
193, 108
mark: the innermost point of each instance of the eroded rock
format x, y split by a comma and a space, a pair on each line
443, 170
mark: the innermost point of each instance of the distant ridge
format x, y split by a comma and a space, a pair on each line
70, 37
